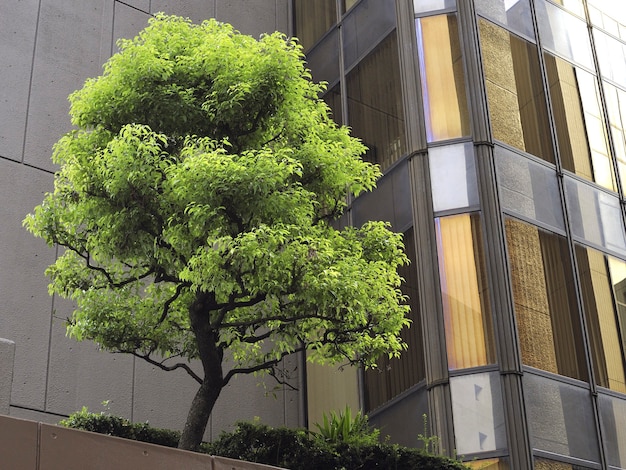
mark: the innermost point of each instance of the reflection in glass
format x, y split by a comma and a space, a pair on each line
580, 127
595, 216
394, 376
611, 57
313, 19
609, 15
564, 34
478, 413
528, 188
489, 464
333, 99
616, 109
453, 176
464, 291
545, 464
575, 6
425, 6
323, 60
561, 418
546, 310
513, 15
603, 279
515, 94
443, 78
613, 425
375, 110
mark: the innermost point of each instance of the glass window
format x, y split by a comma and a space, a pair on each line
489, 464
313, 19
545, 464
603, 279
611, 57
616, 108
608, 15
564, 34
575, 6
394, 376
544, 296
347, 4
528, 188
323, 60
478, 413
595, 216
389, 202
513, 15
425, 6
375, 110
443, 78
580, 128
333, 99
453, 176
515, 91
364, 26
613, 425
561, 418
464, 291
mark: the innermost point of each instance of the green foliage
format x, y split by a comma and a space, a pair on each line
341, 427
202, 179
430, 443
299, 450
104, 423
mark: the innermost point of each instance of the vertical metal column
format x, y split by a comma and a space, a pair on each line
431, 311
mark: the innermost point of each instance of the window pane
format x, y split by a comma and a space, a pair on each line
611, 57
514, 15
443, 78
364, 26
580, 127
394, 376
313, 19
616, 108
595, 216
389, 202
545, 301
515, 91
375, 110
464, 291
478, 413
545, 464
425, 6
598, 277
528, 188
613, 425
564, 34
561, 418
323, 60
333, 99
575, 6
489, 464
453, 176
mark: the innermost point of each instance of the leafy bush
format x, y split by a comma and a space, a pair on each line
302, 450
104, 423
296, 449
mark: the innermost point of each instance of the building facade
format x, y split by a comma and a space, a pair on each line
48, 48
500, 126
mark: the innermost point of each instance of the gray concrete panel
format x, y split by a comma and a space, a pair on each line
127, 22
7, 357
253, 17
17, 42
80, 374
162, 398
33, 415
24, 302
143, 5
67, 52
196, 11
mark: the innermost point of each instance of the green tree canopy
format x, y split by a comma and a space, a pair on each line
195, 201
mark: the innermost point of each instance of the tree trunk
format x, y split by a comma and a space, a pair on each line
211, 357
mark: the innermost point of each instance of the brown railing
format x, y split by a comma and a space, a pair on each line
28, 445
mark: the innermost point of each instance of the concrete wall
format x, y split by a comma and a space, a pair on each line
27, 445
47, 50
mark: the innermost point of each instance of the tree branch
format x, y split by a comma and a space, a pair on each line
162, 366
259, 367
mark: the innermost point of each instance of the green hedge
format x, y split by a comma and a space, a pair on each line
296, 449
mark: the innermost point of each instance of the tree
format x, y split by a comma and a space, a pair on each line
195, 203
